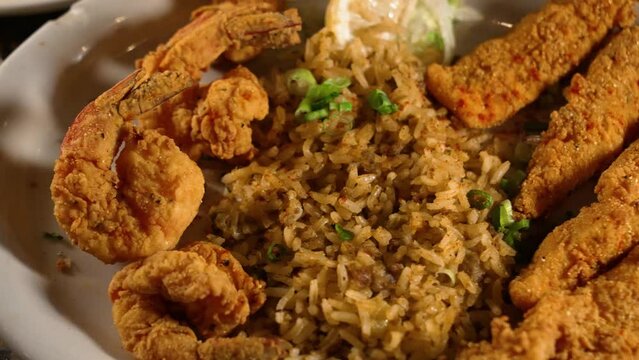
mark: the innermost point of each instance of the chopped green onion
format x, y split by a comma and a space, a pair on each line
511, 182
338, 83
513, 232
316, 115
299, 81
523, 152
502, 220
522, 224
479, 199
435, 39
379, 101
535, 126
53, 236
343, 233
502, 215
320, 96
511, 237
344, 106
276, 252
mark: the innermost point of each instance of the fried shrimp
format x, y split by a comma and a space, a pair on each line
218, 28
154, 194
204, 285
503, 75
215, 119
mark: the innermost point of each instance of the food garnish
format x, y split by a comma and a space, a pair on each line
425, 25
299, 81
276, 252
317, 101
479, 199
344, 234
380, 102
502, 215
503, 221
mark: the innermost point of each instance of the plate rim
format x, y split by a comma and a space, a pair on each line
25, 7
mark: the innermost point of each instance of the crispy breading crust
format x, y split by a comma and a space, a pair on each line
577, 250
503, 75
204, 284
217, 28
146, 204
590, 130
214, 120
598, 321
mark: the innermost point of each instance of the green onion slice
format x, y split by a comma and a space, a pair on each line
502, 215
276, 252
511, 237
299, 81
434, 38
343, 234
479, 199
522, 224
319, 97
316, 115
380, 102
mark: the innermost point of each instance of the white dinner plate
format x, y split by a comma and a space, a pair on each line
22, 7
46, 315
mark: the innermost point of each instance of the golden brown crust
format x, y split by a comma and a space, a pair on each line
598, 321
590, 130
215, 29
214, 120
503, 75
146, 204
578, 250
204, 283
621, 179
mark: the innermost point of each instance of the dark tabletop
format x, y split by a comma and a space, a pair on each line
15, 29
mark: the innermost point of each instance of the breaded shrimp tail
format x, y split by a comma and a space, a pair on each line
577, 250
598, 321
502, 76
154, 194
590, 130
241, 28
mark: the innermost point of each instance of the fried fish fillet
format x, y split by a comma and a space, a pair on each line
598, 321
590, 130
503, 75
577, 250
